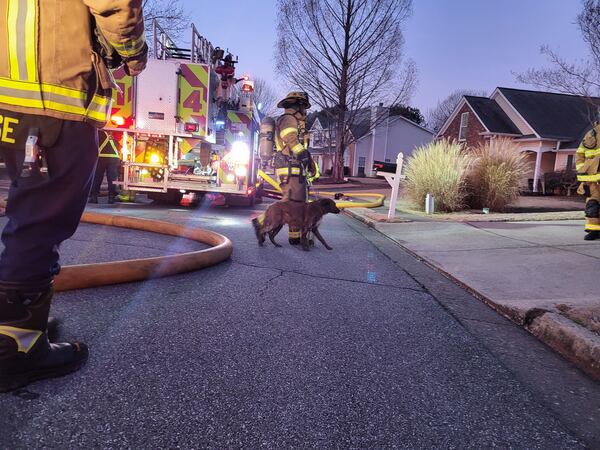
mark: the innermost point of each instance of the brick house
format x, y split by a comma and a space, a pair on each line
547, 126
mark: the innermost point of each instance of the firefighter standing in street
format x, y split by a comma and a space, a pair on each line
587, 163
293, 164
108, 163
55, 91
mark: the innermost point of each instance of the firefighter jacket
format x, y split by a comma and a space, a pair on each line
289, 135
108, 147
49, 61
587, 161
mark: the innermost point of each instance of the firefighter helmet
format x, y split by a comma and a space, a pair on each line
295, 98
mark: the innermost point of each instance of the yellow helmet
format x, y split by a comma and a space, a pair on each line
295, 98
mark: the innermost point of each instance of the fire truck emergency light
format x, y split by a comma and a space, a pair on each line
247, 87
117, 120
191, 127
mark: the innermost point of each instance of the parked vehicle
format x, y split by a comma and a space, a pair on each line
181, 131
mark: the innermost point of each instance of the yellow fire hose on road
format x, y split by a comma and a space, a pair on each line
101, 274
379, 198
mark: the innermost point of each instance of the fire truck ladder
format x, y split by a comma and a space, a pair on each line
165, 48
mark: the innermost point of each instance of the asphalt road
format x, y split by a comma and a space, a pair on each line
278, 348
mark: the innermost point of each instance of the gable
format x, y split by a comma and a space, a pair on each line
551, 115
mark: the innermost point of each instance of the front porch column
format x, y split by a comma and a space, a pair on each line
538, 168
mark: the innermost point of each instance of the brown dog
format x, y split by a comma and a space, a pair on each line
306, 216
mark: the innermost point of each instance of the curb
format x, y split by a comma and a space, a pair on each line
575, 343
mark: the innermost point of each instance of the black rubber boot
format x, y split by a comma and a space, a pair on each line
52, 329
592, 235
26, 355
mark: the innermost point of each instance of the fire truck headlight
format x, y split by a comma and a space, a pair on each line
240, 152
241, 171
154, 158
230, 178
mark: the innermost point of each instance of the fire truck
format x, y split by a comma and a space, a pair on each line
186, 125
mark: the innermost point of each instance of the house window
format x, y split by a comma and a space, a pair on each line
464, 124
387, 160
362, 160
570, 162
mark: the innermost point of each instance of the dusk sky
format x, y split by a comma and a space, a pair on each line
474, 44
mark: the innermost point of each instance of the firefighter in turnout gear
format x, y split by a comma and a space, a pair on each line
55, 91
587, 163
293, 164
109, 162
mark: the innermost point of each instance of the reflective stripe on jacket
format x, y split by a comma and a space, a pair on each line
48, 65
587, 158
108, 147
288, 135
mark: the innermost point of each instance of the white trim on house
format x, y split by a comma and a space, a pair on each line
313, 125
515, 111
477, 115
449, 120
392, 121
492, 133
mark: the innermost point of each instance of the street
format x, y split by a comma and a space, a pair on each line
280, 348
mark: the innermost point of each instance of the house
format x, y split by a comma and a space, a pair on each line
381, 137
548, 127
322, 141
374, 136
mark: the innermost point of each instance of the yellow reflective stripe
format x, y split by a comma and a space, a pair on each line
283, 133
592, 227
284, 171
581, 149
25, 339
22, 39
130, 47
317, 174
57, 98
31, 40
294, 234
12, 17
593, 178
298, 148
115, 152
579, 166
592, 153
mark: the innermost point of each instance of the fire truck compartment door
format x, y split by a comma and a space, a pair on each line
157, 97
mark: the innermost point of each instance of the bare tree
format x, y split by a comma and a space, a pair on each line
437, 116
170, 14
265, 96
347, 55
579, 77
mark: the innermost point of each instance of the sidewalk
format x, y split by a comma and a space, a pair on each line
540, 274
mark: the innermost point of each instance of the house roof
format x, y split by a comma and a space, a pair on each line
492, 116
554, 116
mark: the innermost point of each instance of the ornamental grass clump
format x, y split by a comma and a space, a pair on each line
440, 169
496, 174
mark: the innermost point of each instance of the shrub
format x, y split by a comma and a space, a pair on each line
440, 169
497, 170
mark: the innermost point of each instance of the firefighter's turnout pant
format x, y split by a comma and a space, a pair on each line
44, 209
592, 207
110, 167
292, 179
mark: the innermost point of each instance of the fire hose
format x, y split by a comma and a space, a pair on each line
379, 198
125, 271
